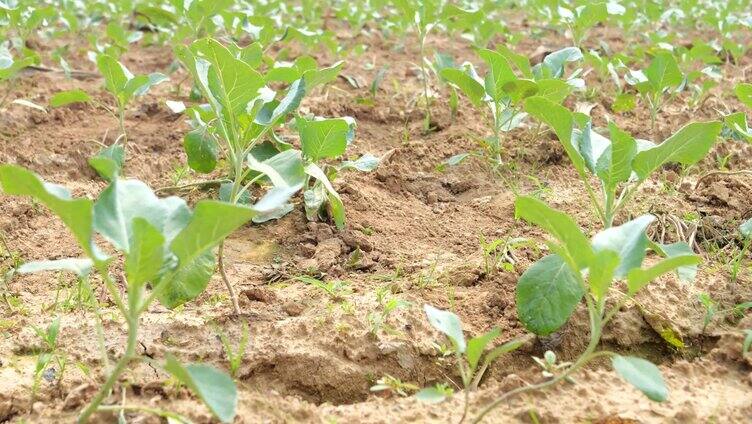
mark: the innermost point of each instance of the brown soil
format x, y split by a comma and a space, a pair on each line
311, 359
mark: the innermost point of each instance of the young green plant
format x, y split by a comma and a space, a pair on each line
164, 244
581, 269
472, 363
621, 164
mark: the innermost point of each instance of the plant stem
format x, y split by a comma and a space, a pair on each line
104, 391
587, 355
228, 284
422, 38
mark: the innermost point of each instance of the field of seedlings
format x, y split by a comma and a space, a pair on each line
375, 211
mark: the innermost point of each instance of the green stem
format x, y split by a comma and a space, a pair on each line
587, 355
104, 391
424, 74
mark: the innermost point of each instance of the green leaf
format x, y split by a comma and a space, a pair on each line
467, 84
202, 150
547, 294
555, 61
628, 240
215, 388
447, 323
561, 120
499, 73
316, 77
64, 98
554, 90
285, 169
507, 347
335, 201
558, 224
75, 213
687, 146
145, 259
743, 92
115, 75
109, 161
125, 200
639, 278
601, 272
212, 221
685, 273
621, 153
642, 374
432, 395
477, 345
324, 138
746, 228
79, 266
227, 82
663, 72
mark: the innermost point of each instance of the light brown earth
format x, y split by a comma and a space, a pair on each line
313, 359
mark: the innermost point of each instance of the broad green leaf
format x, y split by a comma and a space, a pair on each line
477, 345
124, 200
141, 84
555, 61
687, 146
639, 278
289, 102
663, 72
521, 62
202, 150
746, 228
554, 90
75, 213
559, 225
743, 92
622, 152
229, 83
79, 266
324, 138
211, 222
561, 120
365, 163
115, 75
643, 375
145, 259
188, 280
215, 388
109, 161
449, 324
628, 240
431, 395
547, 294
601, 272
64, 98
474, 91
335, 202
507, 347
499, 73
686, 273
285, 169
520, 89
316, 77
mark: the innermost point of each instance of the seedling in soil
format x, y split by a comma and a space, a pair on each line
242, 114
712, 311
163, 243
235, 355
658, 83
550, 290
503, 92
390, 384
378, 319
50, 353
623, 163
498, 253
124, 87
472, 361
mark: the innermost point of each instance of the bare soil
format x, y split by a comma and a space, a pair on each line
313, 359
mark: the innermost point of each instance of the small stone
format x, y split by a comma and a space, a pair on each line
260, 294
